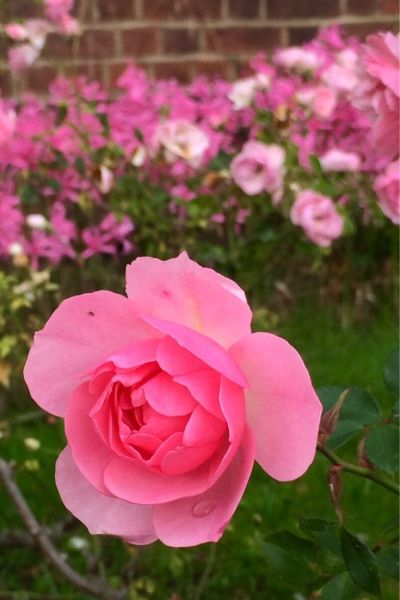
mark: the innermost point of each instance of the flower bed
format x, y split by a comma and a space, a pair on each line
302, 149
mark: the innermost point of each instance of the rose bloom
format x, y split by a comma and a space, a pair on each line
297, 58
340, 160
387, 187
321, 99
318, 216
259, 168
182, 139
382, 59
21, 57
243, 91
168, 399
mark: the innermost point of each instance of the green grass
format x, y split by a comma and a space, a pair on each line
335, 355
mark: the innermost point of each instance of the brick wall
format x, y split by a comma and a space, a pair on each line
181, 38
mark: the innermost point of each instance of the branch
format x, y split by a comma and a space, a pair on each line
360, 471
99, 588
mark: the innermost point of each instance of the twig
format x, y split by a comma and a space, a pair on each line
19, 537
360, 471
98, 588
207, 572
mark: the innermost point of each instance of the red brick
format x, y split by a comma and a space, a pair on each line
180, 71
115, 71
241, 39
5, 83
212, 68
291, 9
161, 10
180, 41
58, 47
389, 7
39, 78
97, 44
139, 42
17, 9
361, 30
244, 9
114, 10
301, 35
361, 7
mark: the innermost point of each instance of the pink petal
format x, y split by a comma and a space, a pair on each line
142, 485
101, 514
203, 518
202, 428
82, 332
202, 347
282, 407
183, 460
167, 397
175, 360
90, 452
204, 386
182, 291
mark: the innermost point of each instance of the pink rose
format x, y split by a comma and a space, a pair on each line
318, 216
387, 187
260, 168
182, 139
16, 32
21, 57
340, 160
321, 99
168, 399
297, 58
382, 59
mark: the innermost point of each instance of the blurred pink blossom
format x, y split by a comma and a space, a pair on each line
318, 217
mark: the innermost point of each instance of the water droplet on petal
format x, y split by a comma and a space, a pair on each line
203, 508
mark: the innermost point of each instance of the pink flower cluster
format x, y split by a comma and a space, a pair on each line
298, 133
31, 36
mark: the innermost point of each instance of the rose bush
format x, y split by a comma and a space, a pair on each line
168, 399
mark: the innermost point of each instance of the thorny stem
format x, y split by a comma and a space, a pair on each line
99, 588
360, 471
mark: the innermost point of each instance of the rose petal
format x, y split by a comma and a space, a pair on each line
175, 360
167, 397
282, 407
203, 518
82, 331
202, 428
204, 386
101, 514
141, 485
184, 460
89, 450
204, 348
182, 291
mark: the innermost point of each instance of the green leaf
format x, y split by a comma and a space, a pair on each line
388, 560
316, 165
382, 448
291, 556
29, 194
361, 563
344, 431
360, 407
392, 372
323, 532
340, 587
329, 395
80, 165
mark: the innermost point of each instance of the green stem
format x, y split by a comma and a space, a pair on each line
360, 471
